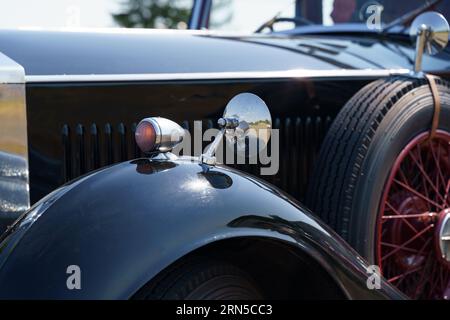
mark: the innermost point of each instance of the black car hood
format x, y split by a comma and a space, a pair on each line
155, 52
122, 225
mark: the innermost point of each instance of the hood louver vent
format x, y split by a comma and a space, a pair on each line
92, 146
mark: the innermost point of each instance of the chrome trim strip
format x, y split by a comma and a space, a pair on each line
10, 71
241, 75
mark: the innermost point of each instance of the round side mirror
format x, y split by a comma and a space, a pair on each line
438, 31
254, 124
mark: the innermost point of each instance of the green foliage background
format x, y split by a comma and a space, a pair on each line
164, 13
153, 13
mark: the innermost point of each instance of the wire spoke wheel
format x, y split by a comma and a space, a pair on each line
414, 219
383, 184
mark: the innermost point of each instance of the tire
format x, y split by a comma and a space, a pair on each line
360, 153
201, 279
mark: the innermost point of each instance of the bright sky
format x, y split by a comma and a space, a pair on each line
57, 13
97, 13
246, 18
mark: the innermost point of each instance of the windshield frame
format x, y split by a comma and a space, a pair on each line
199, 19
202, 9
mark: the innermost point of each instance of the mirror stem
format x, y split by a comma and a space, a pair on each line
422, 35
224, 123
208, 157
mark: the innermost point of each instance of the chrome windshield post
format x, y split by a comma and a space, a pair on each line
200, 14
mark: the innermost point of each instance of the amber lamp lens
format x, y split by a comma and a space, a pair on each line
145, 136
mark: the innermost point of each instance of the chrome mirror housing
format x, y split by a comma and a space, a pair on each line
247, 123
430, 32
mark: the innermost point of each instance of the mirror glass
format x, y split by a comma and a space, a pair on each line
438, 38
255, 124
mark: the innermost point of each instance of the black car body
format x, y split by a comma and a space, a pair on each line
108, 81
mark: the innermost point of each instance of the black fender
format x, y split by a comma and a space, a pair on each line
124, 224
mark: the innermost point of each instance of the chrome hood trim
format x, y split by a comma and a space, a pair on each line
244, 75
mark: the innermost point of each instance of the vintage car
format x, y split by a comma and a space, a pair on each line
359, 120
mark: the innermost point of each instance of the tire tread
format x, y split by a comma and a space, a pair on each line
330, 194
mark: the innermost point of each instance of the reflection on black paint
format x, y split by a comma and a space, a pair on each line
146, 166
272, 222
217, 180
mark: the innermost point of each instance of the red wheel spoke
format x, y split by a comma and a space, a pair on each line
414, 210
416, 193
426, 177
447, 193
391, 245
439, 173
424, 184
434, 284
421, 281
407, 242
405, 179
430, 280
412, 216
403, 275
419, 253
403, 219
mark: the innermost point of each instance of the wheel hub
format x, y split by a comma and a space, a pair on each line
443, 236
